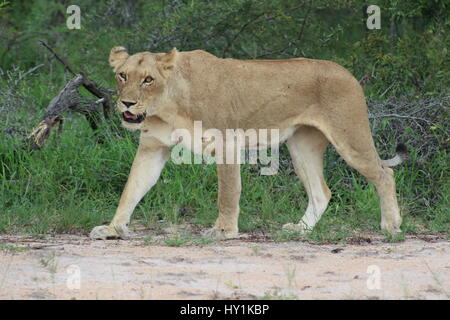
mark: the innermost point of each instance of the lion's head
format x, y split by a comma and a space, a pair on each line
141, 81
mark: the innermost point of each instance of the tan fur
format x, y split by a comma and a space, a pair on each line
312, 103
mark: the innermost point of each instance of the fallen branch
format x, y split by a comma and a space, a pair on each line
68, 99
90, 85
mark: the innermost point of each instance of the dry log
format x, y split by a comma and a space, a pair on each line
68, 99
90, 85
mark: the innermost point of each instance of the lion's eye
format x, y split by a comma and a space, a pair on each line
148, 80
123, 76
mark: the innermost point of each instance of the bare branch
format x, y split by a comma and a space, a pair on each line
90, 85
377, 116
22, 76
64, 63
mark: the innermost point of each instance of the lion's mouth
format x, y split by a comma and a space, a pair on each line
132, 118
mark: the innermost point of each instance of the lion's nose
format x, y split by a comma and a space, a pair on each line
128, 103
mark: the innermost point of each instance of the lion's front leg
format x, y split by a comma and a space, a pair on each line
147, 165
226, 226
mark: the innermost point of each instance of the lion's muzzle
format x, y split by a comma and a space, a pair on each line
133, 118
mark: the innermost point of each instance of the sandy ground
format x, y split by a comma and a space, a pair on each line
75, 267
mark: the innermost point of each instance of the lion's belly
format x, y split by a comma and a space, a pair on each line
207, 141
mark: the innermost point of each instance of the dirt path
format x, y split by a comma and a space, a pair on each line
73, 267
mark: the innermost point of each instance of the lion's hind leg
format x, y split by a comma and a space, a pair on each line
357, 148
306, 148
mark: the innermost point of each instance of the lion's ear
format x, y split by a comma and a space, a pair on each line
168, 60
117, 57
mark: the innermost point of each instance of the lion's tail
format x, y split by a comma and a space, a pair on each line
401, 155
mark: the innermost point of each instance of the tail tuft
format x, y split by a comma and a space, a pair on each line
401, 155
402, 151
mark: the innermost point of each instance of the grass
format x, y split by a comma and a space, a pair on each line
278, 294
50, 262
10, 248
74, 184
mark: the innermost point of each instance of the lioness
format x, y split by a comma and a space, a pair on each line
311, 102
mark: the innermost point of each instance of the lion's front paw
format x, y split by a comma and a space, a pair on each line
221, 234
299, 227
392, 228
108, 232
